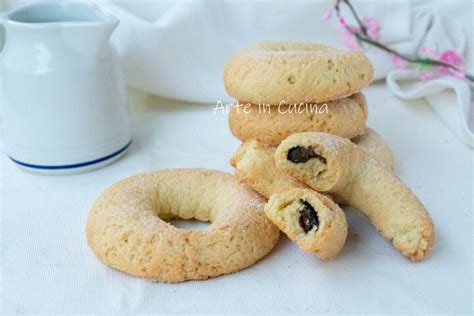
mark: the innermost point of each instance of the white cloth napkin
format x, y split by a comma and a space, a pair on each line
178, 49
448, 96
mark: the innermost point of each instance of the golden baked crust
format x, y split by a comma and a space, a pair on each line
374, 145
345, 117
326, 238
342, 169
255, 165
272, 72
126, 230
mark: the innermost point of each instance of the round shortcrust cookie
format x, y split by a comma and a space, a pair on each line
289, 72
127, 230
270, 125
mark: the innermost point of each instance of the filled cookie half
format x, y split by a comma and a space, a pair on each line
254, 165
332, 164
312, 220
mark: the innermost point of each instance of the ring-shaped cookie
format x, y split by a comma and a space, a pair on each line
290, 72
344, 117
127, 231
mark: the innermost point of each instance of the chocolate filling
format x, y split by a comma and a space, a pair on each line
308, 217
300, 154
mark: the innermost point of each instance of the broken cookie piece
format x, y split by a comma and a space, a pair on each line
310, 219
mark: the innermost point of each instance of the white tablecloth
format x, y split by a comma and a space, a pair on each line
47, 267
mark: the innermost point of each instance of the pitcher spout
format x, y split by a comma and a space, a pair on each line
90, 39
82, 26
92, 35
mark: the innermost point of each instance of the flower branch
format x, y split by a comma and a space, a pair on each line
368, 31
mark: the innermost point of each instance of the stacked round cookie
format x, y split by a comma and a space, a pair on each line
309, 96
286, 88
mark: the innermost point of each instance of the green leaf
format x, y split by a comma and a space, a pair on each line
423, 64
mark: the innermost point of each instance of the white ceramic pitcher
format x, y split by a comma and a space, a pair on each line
63, 96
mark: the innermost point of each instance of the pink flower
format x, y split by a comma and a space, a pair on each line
373, 27
430, 53
425, 75
328, 14
342, 22
451, 57
458, 74
349, 39
443, 71
400, 63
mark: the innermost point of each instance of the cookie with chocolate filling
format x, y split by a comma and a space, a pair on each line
312, 220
